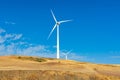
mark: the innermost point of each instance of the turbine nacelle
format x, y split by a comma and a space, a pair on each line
58, 23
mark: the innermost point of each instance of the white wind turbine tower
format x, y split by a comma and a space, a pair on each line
66, 54
57, 24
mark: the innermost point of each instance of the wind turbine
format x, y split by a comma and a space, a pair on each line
66, 57
57, 24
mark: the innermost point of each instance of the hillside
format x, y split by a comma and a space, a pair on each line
34, 68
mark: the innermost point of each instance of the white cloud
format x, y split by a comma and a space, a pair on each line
17, 36
54, 46
9, 37
2, 30
33, 50
2, 40
7, 44
14, 44
77, 57
9, 22
116, 57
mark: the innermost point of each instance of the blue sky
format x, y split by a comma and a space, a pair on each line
93, 35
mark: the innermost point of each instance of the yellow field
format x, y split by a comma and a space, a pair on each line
33, 68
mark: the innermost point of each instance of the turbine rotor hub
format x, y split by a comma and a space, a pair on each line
58, 23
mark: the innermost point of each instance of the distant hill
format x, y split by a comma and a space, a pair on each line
36, 68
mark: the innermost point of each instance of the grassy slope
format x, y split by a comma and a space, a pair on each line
33, 68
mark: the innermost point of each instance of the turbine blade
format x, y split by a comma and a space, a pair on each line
63, 53
54, 16
64, 21
69, 52
52, 31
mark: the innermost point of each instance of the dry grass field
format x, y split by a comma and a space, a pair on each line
34, 68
